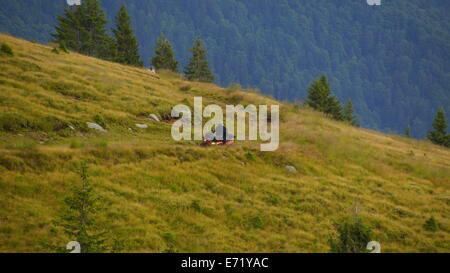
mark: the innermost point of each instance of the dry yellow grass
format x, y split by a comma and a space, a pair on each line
150, 182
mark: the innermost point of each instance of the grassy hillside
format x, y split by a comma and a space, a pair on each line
162, 194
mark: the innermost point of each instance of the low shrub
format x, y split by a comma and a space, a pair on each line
250, 156
63, 47
256, 222
195, 205
352, 236
100, 120
6, 49
431, 225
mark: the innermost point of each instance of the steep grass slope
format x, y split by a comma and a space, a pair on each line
161, 194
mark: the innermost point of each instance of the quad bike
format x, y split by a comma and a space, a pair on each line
211, 140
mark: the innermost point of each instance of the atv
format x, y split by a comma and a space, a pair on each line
210, 139
216, 142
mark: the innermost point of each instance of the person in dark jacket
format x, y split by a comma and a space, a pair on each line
220, 133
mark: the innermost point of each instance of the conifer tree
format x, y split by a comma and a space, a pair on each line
348, 114
127, 46
93, 21
78, 218
198, 67
352, 236
83, 29
334, 108
439, 133
320, 98
164, 55
408, 131
318, 94
69, 30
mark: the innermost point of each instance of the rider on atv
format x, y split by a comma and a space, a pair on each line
220, 136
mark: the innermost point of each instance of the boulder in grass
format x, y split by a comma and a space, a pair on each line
291, 169
154, 118
95, 126
142, 126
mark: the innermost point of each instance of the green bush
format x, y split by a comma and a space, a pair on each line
168, 237
63, 47
100, 120
195, 205
7, 50
256, 222
431, 225
352, 236
250, 156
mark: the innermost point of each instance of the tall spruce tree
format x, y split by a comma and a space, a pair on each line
127, 46
69, 30
83, 29
318, 94
320, 98
334, 108
78, 217
348, 113
198, 67
439, 133
93, 21
164, 55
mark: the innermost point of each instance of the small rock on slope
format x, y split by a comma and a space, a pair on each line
291, 169
142, 126
154, 118
95, 126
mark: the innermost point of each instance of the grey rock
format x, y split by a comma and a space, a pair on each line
291, 169
154, 118
142, 126
95, 126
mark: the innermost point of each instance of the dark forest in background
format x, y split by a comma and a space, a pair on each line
392, 60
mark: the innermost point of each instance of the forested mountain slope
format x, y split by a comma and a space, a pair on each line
161, 195
391, 60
